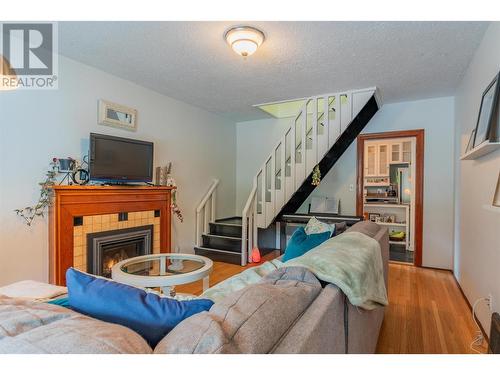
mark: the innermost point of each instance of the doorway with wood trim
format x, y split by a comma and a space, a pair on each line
390, 188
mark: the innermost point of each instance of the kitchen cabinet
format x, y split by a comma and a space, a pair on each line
380, 155
400, 152
406, 152
371, 160
383, 160
395, 152
403, 220
377, 160
388, 163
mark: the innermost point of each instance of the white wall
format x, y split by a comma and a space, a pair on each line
254, 142
436, 116
477, 241
38, 125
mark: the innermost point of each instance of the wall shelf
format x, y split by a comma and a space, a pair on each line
403, 225
491, 208
385, 205
481, 150
401, 243
391, 224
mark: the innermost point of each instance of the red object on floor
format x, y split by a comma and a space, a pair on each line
255, 255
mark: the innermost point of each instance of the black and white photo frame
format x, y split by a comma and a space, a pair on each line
117, 115
487, 121
496, 196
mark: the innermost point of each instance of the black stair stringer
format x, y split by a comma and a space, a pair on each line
331, 157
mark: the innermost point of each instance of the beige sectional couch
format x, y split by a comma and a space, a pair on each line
287, 312
333, 325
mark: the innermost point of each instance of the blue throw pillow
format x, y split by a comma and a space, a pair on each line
148, 314
300, 243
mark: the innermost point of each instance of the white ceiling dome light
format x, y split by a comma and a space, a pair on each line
244, 40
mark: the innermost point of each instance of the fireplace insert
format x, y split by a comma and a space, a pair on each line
105, 249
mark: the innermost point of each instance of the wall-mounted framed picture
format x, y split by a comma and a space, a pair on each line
496, 197
117, 115
488, 111
471, 140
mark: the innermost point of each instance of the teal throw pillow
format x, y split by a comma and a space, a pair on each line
300, 243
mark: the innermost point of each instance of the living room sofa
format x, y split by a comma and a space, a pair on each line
289, 311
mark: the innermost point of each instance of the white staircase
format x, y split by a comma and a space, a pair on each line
317, 127
322, 130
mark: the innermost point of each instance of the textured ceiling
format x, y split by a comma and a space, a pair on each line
191, 62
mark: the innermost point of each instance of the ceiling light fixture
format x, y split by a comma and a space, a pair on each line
8, 76
244, 40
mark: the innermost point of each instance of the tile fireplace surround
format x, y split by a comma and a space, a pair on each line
104, 223
81, 210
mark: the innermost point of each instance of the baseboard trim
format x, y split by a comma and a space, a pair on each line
486, 337
401, 263
439, 269
431, 268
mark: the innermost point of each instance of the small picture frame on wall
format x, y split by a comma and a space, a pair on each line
496, 197
471, 140
487, 112
117, 115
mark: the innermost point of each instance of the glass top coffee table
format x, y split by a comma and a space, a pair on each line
163, 271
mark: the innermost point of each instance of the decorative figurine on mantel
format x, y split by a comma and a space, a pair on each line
164, 178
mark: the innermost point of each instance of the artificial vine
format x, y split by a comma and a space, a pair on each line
46, 193
171, 182
30, 213
164, 178
316, 176
175, 208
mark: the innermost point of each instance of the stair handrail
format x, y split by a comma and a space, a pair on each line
309, 157
247, 225
210, 195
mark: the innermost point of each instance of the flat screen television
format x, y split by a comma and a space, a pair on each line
115, 159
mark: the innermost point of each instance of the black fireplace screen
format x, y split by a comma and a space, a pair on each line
105, 249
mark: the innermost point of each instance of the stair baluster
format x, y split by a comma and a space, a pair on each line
319, 123
202, 227
318, 135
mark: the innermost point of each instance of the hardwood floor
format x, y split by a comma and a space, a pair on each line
427, 313
221, 272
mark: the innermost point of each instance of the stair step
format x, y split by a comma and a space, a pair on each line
222, 242
219, 255
225, 229
234, 220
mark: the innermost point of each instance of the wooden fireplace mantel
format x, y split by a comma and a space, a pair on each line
73, 201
